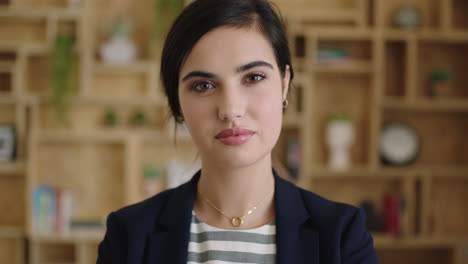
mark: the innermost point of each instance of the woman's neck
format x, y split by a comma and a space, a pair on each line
235, 192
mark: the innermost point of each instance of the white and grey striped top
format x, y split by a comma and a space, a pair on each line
212, 245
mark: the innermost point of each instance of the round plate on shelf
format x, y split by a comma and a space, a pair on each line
399, 144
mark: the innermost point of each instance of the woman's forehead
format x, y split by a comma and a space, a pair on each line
229, 47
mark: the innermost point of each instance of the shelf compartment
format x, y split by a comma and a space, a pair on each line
117, 85
415, 256
92, 171
333, 94
41, 3
12, 200
429, 9
49, 252
17, 31
11, 248
447, 212
142, 20
6, 82
371, 189
7, 114
38, 75
460, 20
442, 136
323, 12
452, 56
395, 68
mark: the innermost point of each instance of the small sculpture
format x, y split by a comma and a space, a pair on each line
407, 17
339, 138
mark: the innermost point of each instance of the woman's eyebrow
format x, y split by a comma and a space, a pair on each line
198, 74
253, 64
240, 69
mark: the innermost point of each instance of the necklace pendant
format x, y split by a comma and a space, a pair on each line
237, 221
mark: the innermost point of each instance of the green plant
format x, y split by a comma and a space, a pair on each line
165, 11
61, 70
121, 27
340, 116
438, 75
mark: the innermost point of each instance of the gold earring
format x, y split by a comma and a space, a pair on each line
285, 103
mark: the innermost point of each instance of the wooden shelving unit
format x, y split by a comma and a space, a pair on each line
383, 79
386, 78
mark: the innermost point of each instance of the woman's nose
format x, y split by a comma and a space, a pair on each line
231, 105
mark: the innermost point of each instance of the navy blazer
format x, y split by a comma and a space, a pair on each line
309, 229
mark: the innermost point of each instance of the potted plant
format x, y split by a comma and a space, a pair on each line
120, 48
440, 83
61, 69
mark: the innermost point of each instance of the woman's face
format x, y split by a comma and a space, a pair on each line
231, 93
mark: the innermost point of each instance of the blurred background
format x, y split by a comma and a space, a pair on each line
378, 118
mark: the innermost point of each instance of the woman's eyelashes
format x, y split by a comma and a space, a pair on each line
207, 86
202, 86
253, 78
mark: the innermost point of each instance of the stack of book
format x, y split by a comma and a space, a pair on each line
52, 210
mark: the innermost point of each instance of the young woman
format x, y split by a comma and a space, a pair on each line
226, 70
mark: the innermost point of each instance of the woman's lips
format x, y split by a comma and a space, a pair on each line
234, 136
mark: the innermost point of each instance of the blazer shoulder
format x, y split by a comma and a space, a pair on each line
325, 211
148, 209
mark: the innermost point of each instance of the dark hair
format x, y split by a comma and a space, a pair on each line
202, 16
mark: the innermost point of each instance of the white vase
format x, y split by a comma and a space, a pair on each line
73, 3
118, 50
339, 139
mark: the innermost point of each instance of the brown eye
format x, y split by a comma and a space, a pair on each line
201, 86
255, 77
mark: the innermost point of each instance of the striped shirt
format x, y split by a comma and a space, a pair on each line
212, 245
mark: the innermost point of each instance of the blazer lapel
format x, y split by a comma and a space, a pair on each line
297, 239
169, 242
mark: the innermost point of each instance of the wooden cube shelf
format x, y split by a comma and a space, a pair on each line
442, 136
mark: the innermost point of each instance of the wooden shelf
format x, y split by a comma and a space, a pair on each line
390, 242
306, 14
60, 13
73, 237
7, 67
103, 100
12, 168
11, 232
145, 67
108, 135
437, 104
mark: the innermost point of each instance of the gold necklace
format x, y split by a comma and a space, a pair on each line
236, 221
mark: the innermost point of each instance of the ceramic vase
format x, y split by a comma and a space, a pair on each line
339, 139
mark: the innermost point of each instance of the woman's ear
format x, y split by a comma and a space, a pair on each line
285, 81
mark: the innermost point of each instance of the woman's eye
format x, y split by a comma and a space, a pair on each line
253, 78
201, 86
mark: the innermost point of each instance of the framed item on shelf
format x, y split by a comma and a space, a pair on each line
7, 143
399, 144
